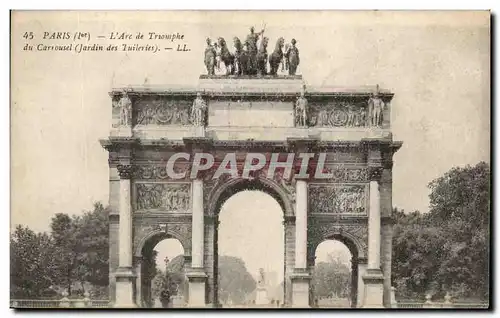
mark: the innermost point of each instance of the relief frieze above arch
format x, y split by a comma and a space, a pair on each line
338, 199
162, 197
158, 171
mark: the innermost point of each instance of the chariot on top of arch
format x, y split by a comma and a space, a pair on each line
250, 57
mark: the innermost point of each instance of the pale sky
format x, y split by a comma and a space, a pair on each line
437, 64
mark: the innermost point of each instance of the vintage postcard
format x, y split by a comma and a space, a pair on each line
250, 159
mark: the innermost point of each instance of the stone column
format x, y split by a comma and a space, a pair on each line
138, 281
125, 275
311, 261
374, 227
301, 225
300, 277
354, 282
373, 278
289, 224
196, 275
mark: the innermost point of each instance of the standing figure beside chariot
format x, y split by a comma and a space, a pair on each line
250, 57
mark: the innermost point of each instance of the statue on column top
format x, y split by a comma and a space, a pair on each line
125, 109
301, 110
376, 107
198, 111
261, 280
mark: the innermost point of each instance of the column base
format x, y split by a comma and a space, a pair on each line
124, 288
300, 289
197, 280
261, 296
121, 131
374, 289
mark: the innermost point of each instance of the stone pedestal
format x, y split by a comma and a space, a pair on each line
178, 301
394, 303
121, 131
197, 280
199, 132
374, 288
261, 296
300, 289
361, 284
124, 288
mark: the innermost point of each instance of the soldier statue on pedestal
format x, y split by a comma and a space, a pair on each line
375, 108
262, 278
198, 111
125, 109
301, 110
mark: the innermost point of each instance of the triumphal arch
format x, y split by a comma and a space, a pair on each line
177, 154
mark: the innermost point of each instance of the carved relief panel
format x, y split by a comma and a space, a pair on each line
157, 172
163, 197
338, 198
339, 114
161, 111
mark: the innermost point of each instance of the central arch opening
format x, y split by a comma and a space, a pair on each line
250, 248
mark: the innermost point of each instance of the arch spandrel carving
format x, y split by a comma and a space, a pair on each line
223, 189
158, 232
353, 235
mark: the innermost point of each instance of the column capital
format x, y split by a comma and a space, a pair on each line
311, 260
375, 173
289, 220
388, 164
125, 171
211, 219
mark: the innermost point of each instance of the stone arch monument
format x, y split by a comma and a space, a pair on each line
150, 200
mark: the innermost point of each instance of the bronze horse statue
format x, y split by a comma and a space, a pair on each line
226, 57
276, 57
262, 58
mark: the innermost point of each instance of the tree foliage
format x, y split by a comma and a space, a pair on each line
32, 263
75, 252
446, 249
331, 278
235, 282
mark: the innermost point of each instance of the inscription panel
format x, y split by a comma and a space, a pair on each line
250, 114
